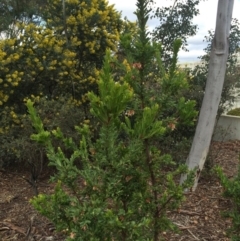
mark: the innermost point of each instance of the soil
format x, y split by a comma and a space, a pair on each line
199, 217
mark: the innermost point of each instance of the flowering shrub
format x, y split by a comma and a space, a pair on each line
34, 64
89, 29
42, 64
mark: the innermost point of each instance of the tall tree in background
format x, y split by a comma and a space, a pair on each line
175, 22
12, 11
214, 86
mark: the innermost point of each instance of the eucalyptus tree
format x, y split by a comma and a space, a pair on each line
215, 81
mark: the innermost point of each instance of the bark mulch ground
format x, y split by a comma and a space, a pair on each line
199, 217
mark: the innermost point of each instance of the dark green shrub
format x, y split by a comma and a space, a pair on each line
17, 148
125, 188
235, 112
126, 185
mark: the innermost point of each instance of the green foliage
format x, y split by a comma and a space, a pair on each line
114, 199
153, 83
108, 106
163, 85
125, 185
232, 191
175, 22
235, 112
16, 129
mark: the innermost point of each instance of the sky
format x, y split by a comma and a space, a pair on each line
205, 21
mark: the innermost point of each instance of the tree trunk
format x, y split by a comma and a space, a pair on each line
214, 86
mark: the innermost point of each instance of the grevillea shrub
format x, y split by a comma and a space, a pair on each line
123, 189
125, 185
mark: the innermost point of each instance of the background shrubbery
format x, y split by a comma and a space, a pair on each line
116, 131
61, 58
53, 66
235, 112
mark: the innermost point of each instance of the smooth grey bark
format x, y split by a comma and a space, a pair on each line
213, 90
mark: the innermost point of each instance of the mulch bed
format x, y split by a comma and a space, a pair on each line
199, 217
